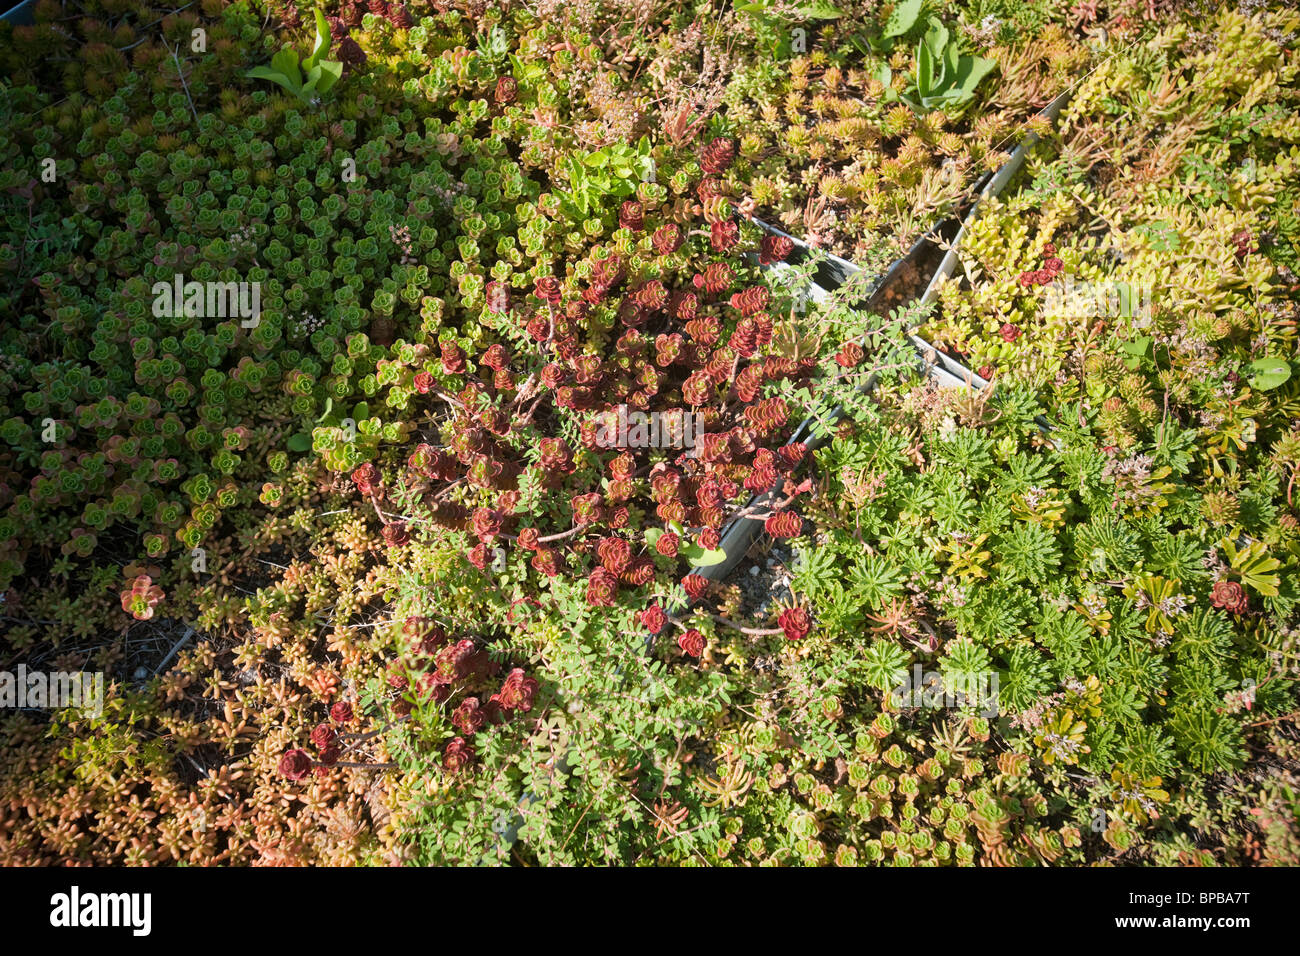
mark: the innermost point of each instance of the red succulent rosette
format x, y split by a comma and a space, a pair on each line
791, 455
631, 215
667, 349
295, 764
458, 754
588, 508
506, 90
468, 717
795, 622
322, 736
724, 235
849, 355
767, 415
423, 382
1009, 332
341, 712
709, 188
478, 556
653, 619
651, 296
667, 544
641, 572
546, 561
685, 305
774, 249
487, 523
743, 342
696, 585
399, 16
750, 301
615, 554
697, 388
556, 457
458, 661
140, 599
667, 239
783, 524
518, 691
396, 534
1229, 596
547, 288
367, 480
691, 642
453, 358
749, 383
716, 277
717, 156
430, 463
602, 588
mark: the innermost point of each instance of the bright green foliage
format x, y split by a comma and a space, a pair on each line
317, 75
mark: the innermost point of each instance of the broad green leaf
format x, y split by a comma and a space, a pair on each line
818, 10
936, 37
924, 69
971, 70
699, 557
286, 62
322, 45
313, 77
331, 73
1269, 373
949, 65
903, 17
300, 442
266, 73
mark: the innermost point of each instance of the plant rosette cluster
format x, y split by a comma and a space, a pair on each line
1120, 626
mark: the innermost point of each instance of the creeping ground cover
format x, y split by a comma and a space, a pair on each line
458, 432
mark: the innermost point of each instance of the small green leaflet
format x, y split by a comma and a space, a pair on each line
1160, 236
1137, 350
